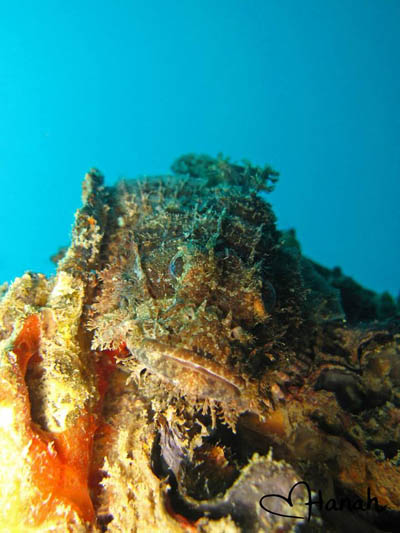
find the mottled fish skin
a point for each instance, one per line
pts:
(189, 285)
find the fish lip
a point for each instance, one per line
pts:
(176, 363)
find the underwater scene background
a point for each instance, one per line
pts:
(311, 88)
(208, 356)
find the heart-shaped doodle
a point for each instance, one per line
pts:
(289, 501)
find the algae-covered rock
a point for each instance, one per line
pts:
(186, 362)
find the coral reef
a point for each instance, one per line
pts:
(187, 366)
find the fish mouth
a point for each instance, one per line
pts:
(192, 374)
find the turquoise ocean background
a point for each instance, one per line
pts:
(311, 87)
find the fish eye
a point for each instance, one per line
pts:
(268, 296)
(175, 267)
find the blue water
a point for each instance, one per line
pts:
(311, 87)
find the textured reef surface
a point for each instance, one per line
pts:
(187, 361)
